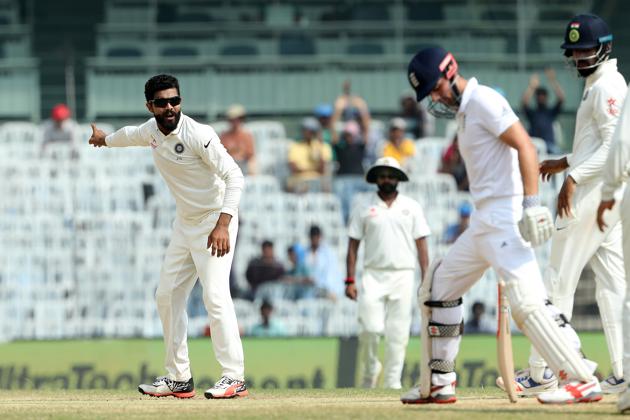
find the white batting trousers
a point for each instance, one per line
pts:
(385, 301)
(491, 240)
(625, 223)
(187, 258)
(576, 242)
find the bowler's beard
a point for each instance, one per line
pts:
(170, 126)
(387, 188)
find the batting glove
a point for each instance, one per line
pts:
(536, 226)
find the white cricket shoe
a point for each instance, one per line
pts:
(526, 386)
(439, 395)
(612, 385)
(623, 403)
(164, 387)
(573, 392)
(227, 388)
(370, 381)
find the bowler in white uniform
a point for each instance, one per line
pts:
(207, 185)
(393, 230)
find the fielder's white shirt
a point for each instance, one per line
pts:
(604, 93)
(491, 164)
(389, 233)
(200, 173)
(617, 165)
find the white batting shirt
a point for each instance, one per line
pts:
(389, 233)
(617, 165)
(491, 164)
(200, 173)
(604, 93)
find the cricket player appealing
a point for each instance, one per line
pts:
(394, 230)
(616, 169)
(577, 239)
(207, 185)
(503, 170)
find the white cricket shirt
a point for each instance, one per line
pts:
(200, 173)
(604, 93)
(492, 165)
(389, 233)
(617, 165)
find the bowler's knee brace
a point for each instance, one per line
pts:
(544, 333)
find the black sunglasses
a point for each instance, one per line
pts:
(161, 102)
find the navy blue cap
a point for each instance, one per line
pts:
(585, 31)
(426, 68)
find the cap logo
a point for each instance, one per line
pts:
(414, 80)
(574, 35)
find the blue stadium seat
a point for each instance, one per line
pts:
(295, 44)
(371, 48)
(239, 49)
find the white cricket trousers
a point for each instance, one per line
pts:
(491, 240)
(187, 258)
(576, 242)
(385, 303)
(624, 206)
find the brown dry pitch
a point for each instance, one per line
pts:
(472, 404)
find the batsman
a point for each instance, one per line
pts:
(508, 220)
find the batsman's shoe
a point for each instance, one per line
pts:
(164, 387)
(526, 386)
(439, 395)
(612, 385)
(227, 388)
(573, 392)
(623, 403)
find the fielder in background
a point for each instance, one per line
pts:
(577, 241)
(394, 230)
(207, 185)
(503, 172)
(616, 169)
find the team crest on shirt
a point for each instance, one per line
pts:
(179, 148)
(372, 212)
(613, 109)
(154, 144)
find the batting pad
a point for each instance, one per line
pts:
(536, 323)
(424, 295)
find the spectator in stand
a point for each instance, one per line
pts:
(238, 141)
(60, 128)
(263, 269)
(268, 327)
(419, 122)
(323, 113)
(351, 107)
(323, 265)
(452, 163)
(479, 323)
(309, 160)
(542, 117)
(398, 146)
(350, 152)
(454, 230)
(298, 277)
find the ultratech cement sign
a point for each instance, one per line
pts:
(269, 363)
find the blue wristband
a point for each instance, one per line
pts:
(531, 201)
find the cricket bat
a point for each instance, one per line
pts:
(504, 344)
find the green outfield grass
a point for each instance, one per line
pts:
(473, 404)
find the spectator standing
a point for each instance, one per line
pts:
(542, 117)
(238, 141)
(351, 107)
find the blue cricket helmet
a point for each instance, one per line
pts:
(426, 68)
(585, 31)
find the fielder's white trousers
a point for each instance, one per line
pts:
(186, 258)
(624, 206)
(491, 240)
(576, 242)
(385, 303)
